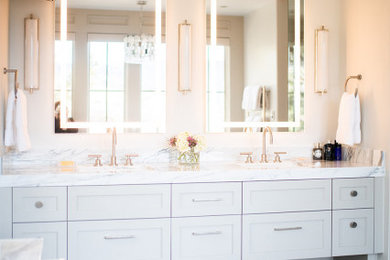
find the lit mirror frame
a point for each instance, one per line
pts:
(297, 71)
(64, 123)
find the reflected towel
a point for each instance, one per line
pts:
(348, 131)
(16, 129)
(251, 98)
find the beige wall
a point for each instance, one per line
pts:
(184, 112)
(4, 8)
(367, 34)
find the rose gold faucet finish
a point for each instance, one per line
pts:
(263, 158)
(114, 143)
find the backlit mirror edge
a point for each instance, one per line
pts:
(297, 85)
(64, 123)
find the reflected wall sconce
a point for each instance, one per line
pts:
(31, 54)
(184, 57)
(321, 74)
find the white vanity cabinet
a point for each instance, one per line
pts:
(54, 236)
(41, 212)
(241, 220)
(5, 213)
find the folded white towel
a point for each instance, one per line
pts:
(251, 98)
(16, 129)
(348, 131)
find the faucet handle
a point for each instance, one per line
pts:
(277, 157)
(249, 158)
(98, 160)
(129, 162)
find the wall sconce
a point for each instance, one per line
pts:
(184, 57)
(321, 73)
(31, 54)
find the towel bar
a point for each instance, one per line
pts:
(15, 71)
(358, 77)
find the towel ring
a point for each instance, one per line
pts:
(358, 77)
(16, 84)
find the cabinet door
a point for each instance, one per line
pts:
(119, 202)
(146, 239)
(282, 196)
(53, 234)
(287, 235)
(5, 213)
(206, 238)
(202, 199)
(39, 204)
(353, 232)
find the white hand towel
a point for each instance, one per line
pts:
(16, 130)
(357, 134)
(348, 131)
(251, 98)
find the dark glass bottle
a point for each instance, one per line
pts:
(329, 151)
(337, 151)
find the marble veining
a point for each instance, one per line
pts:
(165, 173)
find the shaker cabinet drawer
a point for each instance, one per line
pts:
(353, 232)
(146, 239)
(206, 199)
(206, 238)
(39, 204)
(287, 235)
(353, 193)
(282, 196)
(119, 202)
(53, 234)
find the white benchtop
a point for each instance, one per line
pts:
(159, 173)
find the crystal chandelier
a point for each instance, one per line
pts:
(139, 48)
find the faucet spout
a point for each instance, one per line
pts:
(271, 141)
(114, 144)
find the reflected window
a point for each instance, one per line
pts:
(218, 102)
(64, 52)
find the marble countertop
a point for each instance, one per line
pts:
(294, 169)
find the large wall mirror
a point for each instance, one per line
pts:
(110, 66)
(255, 65)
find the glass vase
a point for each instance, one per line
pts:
(189, 158)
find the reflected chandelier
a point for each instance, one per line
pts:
(139, 48)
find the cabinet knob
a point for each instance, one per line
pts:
(354, 193)
(38, 204)
(353, 224)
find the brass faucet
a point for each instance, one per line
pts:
(114, 143)
(271, 141)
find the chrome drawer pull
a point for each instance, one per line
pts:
(354, 193)
(287, 229)
(38, 204)
(118, 237)
(207, 233)
(207, 200)
(353, 224)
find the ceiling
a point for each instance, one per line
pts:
(237, 7)
(128, 5)
(224, 7)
